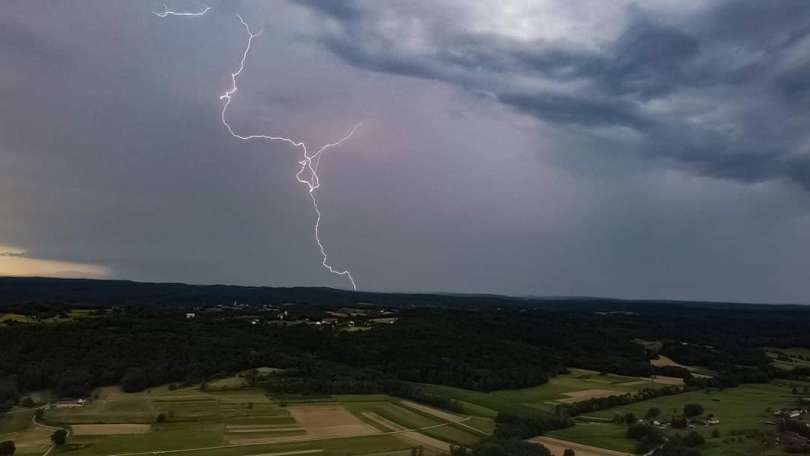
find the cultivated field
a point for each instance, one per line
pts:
(739, 409)
(788, 358)
(663, 361)
(227, 418)
(329, 420)
(580, 384)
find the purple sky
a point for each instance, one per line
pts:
(641, 149)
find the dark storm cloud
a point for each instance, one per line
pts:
(709, 93)
(586, 112)
(549, 147)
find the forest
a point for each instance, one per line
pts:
(479, 348)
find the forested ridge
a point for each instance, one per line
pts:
(474, 349)
(136, 335)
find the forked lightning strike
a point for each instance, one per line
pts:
(308, 173)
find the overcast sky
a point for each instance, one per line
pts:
(639, 149)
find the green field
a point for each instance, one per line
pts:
(17, 419)
(739, 409)
(389, 408)
(543, 397)
(798, 357)
(17, 426)
(229, 419)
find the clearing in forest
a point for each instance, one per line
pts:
(663, 361)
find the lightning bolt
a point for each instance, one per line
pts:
(167, 12)
(308, 172)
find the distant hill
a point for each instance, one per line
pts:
(16, 291)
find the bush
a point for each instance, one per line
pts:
(646, 444)
(639, 431)
(134, 380)
(511, 447)
(675, 447)
(678, 422)
(694, 439)
(7, 448)
(454, 451)
(8, 390)
(692, 410)
(519, 427)
(630, 418)
(59, 437)
(74, 383)
(6, 406)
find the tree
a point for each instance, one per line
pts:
(250, 377)
(8, 391)
(74, 383)
(59, 437)
(569, 452)
(630, 418)
(134, 380)
(7, 448)
(512, 447)
(653, 413)
(691, 410)
(678, 422)
(693, 439)
(638, 431)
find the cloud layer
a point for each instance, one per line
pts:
(721, 89)
(633, 149)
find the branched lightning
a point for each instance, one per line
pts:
(308, 171)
